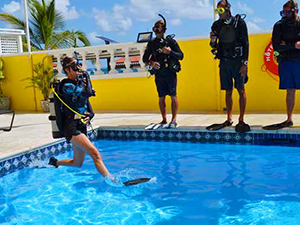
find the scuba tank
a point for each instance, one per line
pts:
(56, 113)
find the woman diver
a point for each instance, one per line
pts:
(74, 91)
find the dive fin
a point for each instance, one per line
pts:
(150, 126)
(218, 126)
(279, 126)
(136, 181)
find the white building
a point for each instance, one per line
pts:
(11, 41)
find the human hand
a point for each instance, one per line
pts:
(166, 50)
(87, 118)
(244, 70)
(155, 65)
(213, 37)
(297, 45)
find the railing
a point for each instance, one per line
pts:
(105, 61)
(11, 41)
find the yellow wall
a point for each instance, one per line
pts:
(198, 84)
(17, 68)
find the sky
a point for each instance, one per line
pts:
(122, 20)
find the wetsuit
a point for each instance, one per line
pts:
(285, 34)
(232, 49)
(165, 77)
(74, 94)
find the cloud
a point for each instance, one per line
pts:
(114, 20)
(145, 10)
(253, 26)
(93, 39)
(120, 18)
(11, 7)
(176, 22)
(69, 12)
(245, 8)
(258, 20)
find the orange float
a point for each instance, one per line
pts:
(270, 64)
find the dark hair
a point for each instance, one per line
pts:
(228, 5)
(291, 3)
(66, 61)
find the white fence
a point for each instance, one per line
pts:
(11, 41)
(106, 61)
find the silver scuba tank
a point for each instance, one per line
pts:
(55, 116)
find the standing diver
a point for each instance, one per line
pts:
(162, 55)
(229, 40)
(286, 44)
(73, 93)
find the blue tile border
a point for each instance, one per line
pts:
(177, 135)
(256, 137)
(22, 160)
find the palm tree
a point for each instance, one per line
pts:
(46, 25)
(79, 35)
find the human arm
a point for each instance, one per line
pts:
(148, 56)
(174, 51)
(278, 44)
(90, 113)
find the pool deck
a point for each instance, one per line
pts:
(31, 130)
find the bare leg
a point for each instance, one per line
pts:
(243, 101)
(290, 103)
(162, 107)
(229, 103)
(86, 145)
(174, 107)
(78, 159)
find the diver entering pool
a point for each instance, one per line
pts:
(73, 113)
(75, 92)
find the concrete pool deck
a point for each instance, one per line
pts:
(31, 130)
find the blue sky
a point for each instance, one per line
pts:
(122, 20)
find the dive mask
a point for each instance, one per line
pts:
(286, 13)
(158, 29)
(73, 66)
(220, 11)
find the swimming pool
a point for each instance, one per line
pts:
(193, 184)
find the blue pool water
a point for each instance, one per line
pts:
(192, 184)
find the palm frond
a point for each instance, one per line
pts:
(12, 20)
(45, 24)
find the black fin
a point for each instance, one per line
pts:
(136, 181)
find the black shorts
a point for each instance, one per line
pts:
(229, 71)
(166, 82)
(74, 128)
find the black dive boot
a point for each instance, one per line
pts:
(53, 162)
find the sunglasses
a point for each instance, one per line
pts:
(220, 11)
(286, 12)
